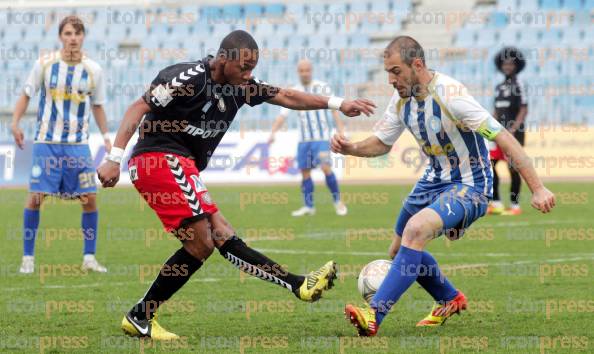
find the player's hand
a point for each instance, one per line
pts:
(109, 173)
(341, 145)
(271, 139)
(356, 107)
(19, 137)
(543, 200)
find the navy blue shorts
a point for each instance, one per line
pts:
(66, 170)
(457, 204)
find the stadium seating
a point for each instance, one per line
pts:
(321, 27)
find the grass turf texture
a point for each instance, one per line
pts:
(528, 292)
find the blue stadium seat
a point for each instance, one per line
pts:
(274, 10)
(528, 36)
(465, 38)
(508, 36)
(551, 36)
(527, 5)
(252, 10)
(497, 20)
(231, 12)
(572, 35)
(486, 37)
(507, 5)
(572, 4)
(551, 4)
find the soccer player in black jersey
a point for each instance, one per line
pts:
(187, 110)
(511, 109)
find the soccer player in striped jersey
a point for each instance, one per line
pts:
(71, 86)
(451, 128)
(314, 141)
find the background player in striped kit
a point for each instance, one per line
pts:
(71, 86)
(314, 141)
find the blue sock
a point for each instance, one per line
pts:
(436, 283)
(332, 184)
(307, 188)
(30, 225)
(403, 272)
(89, 229)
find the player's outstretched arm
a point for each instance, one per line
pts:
(278, 123)
(542, 198)
(369, 147)
(302, 101)
(19, 111)
(109, 171)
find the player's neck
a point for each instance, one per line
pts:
(425, 78)
(71, 57)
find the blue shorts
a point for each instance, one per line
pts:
(66, 170)
(313, 153)
(457, 204)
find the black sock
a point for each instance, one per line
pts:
(254, 263)
(516, 183)
(495, 181)
(172, 276)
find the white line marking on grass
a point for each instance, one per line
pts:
(589, 257)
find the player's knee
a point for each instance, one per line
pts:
(34, 201)
(88, 202)
(199, 250)
(416, 231)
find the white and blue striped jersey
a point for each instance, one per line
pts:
(313, 125)
(450, 127)
(66, 93)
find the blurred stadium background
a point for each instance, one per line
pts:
(344, 39)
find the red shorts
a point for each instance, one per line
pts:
(497, 153)
(172, 187)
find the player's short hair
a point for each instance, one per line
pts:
(408, 48)
(75, 21)
(237, 44)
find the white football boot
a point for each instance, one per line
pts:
(341, 209)
(303, 211)
(90, 263)
(27, 265)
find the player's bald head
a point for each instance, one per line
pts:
(304, 64)
(238, 45)
(305, 71)
(408, 48)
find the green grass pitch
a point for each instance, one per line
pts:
(529, 279)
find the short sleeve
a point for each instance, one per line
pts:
(98, 97)
(464, 108)
(390, 127)
(522, 94)
(175, 85)
(257, 92)
(34, 80)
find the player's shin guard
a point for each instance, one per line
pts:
(258, 265)
(434, 281)
(30, 225)
(89, 223)
(402, 274)
(167, 283)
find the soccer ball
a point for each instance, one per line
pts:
(371, 277)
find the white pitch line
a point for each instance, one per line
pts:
(589, 257)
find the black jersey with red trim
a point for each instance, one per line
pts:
(510, 96)
(190, 113)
